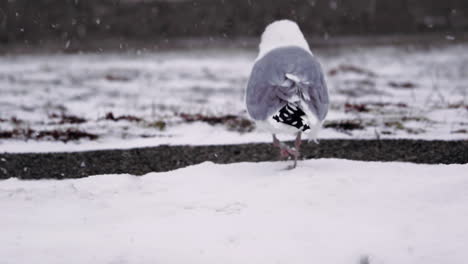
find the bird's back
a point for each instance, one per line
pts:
(268, 89)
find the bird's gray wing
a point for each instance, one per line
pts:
(264, 95)
(316, 88)
(268, 88)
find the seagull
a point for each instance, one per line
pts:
(286, 92)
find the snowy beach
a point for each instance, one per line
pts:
(327, 211)
(146, 117)
(102, 101)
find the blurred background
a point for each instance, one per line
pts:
(165, 71)
(84, 24)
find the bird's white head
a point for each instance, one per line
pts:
(281, 33)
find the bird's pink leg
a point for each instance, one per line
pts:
(282, 147)
(297, 145)
(298, 142)
(286, 151)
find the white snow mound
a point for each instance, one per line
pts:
(325, 211)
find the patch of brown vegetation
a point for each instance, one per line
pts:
(131, 118)
(368, 106)
(6, 134)
(117, 78)
(401, 105)
(356, 108)
(212, 120)
(16, 121)
(344, 68)
(67, 119)
(58, 135)
(17, 133)
(234, 123)
(365, 82)
(459, 131)
(402, 85)
(161, 125)
(416, 118)
(344, 125)
(459, 105)
(415, 131)
(66, 135)
(394, 124)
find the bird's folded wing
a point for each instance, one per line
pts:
(317, 91)
(263, 101)
(269, 86)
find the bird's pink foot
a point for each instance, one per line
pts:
(283, 154)
(286, 151)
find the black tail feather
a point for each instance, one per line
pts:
(291, 115)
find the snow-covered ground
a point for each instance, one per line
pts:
(325, 211)
(93, 101)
